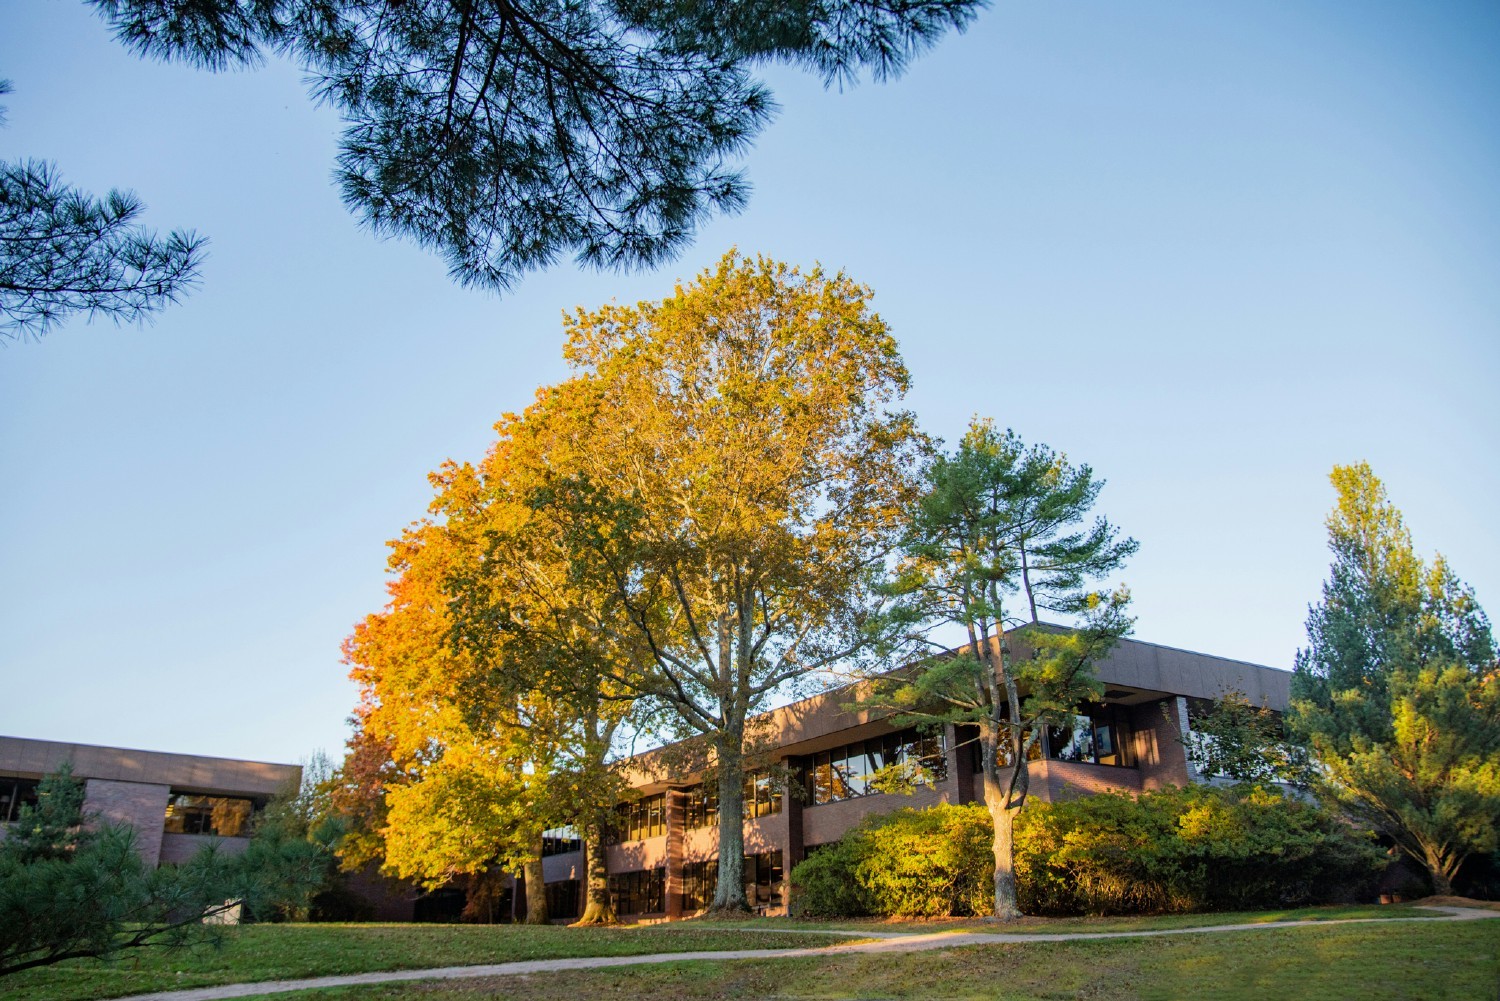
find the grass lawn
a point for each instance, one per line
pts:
(275, 952)
(1055, 925)
(1371, 962)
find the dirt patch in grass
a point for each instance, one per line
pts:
(1488, 905)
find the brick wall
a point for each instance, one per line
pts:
(1159, 727)
(141, 806)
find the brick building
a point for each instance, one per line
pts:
(175, 802)
(665, 862)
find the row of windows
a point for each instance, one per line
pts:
(14, 794)
(1099, 736)
(701, 802)
(852, 770)
(764, 881)
(225, 816)
(641, 892)
(565, 899)
(560, 841)
(640, 819)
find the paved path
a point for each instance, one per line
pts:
(881, 942)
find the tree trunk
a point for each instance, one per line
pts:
(729, 893)
(597, 910)
(1003, 816)
(1441, 866)
(536, 891)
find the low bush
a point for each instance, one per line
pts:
(1191, 849)
(911, 864)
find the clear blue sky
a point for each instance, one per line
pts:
(1211, 249)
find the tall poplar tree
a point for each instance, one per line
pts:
(991, 514)
(1398, 690)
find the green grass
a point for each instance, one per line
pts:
(1112, 924)
(275, 952)
(1372, 962)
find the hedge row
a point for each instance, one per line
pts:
(1191, 849)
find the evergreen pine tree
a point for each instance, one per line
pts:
(1398, 691)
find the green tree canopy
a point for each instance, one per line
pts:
(504, 134)
(991, 512)
(63, 252)
(1397, 691)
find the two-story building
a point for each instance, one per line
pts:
(815, 783)
(175, 802)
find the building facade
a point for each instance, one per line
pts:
(175, 802)
(814, 785)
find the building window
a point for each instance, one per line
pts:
(698, 882)
(762, 798)
(700, 807)
(1099, 736)
(225, 816)
(560, 841)
(1004, 752)
(564, 899)
(640, 819)
(14, 794)
(701, 803)
(764, 881)
(849, 771)
(639, 892)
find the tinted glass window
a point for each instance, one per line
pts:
(224, 816)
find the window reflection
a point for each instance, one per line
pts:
(764, 882)
(639, 892)
(1100, 736)
(560, 841)
(762, 798)
(224, 816)
(850, 771)
(640, 819)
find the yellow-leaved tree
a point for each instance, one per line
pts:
(727, 476)
(492, 742)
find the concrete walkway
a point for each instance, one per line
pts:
(882, 942)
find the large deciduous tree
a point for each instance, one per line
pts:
(992, 512)
(1398, 690)
(503, 722)
(505, 133)
(735, 483)
(537, 630)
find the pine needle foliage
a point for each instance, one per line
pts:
(503, 134)
(1398, 691)
(73, 888)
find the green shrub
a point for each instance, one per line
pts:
(1190, 849)
(823, 884)
(911, 864)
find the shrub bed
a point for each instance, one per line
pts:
(1197, 848)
